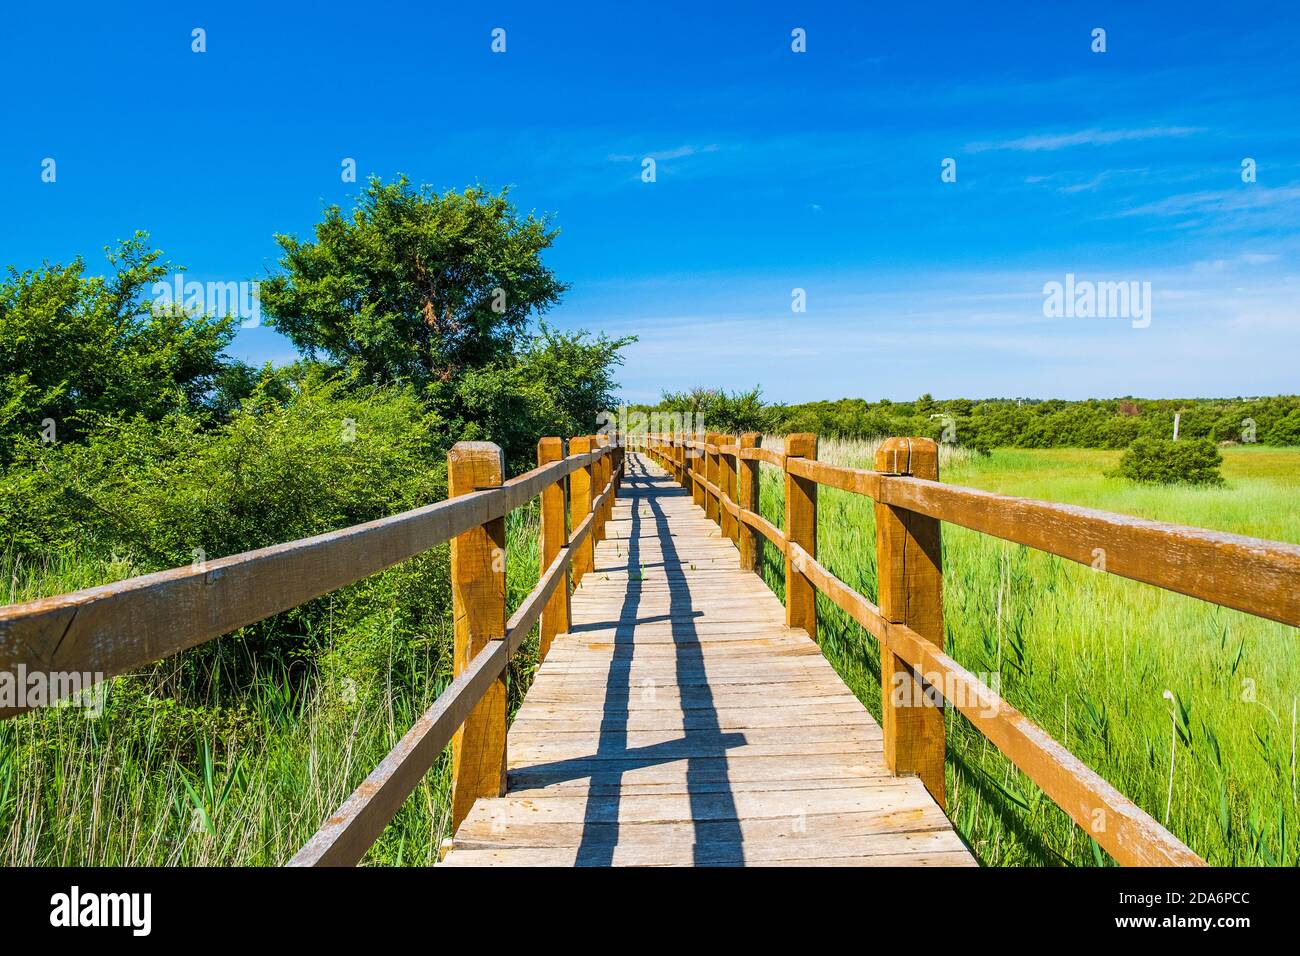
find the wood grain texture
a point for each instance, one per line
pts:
(682, 723)
(747, 485)
(727, 449)
(554, 536)
(712, 509)
(800, 529)
(1249, 574)
(582, 489)
(910, 589)
(478, 593)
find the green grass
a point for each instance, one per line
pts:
(1089, 656)
(162, 778)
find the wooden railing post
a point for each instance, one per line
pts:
(554, 536)
(800, 529)
(478, 592)
(711, 476)
(697, 472)
(581, 482)
(620, 455)
(747, 497)
(910, 584)
(600, 478)
(730, 522)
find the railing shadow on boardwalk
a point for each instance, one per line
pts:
(718, 839)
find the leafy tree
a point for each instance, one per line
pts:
(73, 346)
(557, 385)
(415, 286)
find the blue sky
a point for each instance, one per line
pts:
(776, 170)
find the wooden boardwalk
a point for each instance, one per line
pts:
(682, 723)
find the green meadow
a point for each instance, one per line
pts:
(1089, 657)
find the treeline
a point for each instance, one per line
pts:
(1002, 422)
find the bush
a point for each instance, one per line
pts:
(1192, 461)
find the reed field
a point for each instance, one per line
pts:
(1089, 657)
(157, 781)
(163, 780)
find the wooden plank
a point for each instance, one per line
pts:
(768, 455)
(114, 628)
(857, 480)
(478, 593)
(909, 579)
(766, 528)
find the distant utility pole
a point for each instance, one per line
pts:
(1177, 416)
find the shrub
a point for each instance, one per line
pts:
(1192, 461)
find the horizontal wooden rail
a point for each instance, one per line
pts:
(857, 480)
(767, 455)
(764, 527)
(117, 627)
(1253, 575)
(1248, 574)
(1118, 825)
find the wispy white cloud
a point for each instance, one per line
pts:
(659, 155)
(1085, 137)
(1249, 196)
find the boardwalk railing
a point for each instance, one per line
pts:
(111, 629)
(722, 471)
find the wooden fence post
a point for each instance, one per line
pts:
(910, 583)
(478, 592)
(800, 529)
(697, 472)
(730, 522)
(611, 452)
(554, 536)
(581, 482)
(711, 476)
(600, 478)
(747, 497)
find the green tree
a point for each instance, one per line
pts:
(74, 346)
(415, 286)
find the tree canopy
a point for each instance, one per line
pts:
(73, 347)
(414, 286)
